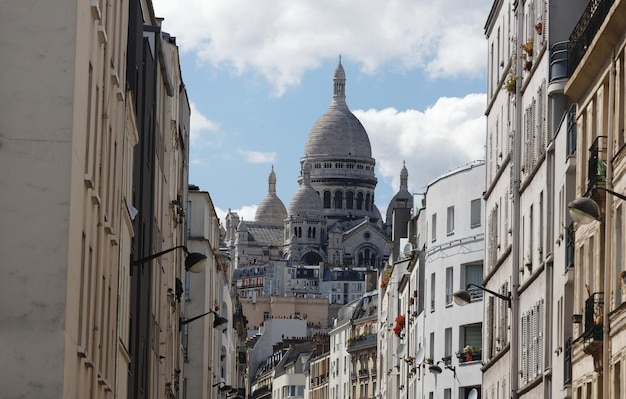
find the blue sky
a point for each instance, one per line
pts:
(259, 74)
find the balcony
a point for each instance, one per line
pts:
(363, 373)
(596, 166)
(593, 333)
(373, 372)
(353, 375)
(465, 357)
(585, 31)
(362, 341)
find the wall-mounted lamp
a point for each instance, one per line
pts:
(436, 369)
(220, 323)
(195, 261)
(463, 297)
(584, 210)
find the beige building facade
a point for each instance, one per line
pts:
(66, 159)
(596, 87)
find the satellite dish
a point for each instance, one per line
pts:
(400, 348)
(473, 394)
(419, 356)
(408, 247)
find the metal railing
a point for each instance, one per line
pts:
(596, 166)
(593, 313)
(585, 30)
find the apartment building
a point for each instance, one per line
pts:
(97, 159)
(596, 89)
(528, 184)
(66, 159)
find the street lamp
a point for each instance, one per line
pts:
(195, 262)
(463, 297)
(219, 323)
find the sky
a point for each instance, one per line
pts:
(259, 74)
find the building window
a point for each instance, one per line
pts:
(266, 315)
(475, 214)
(449, 285)
(473, 275)
(432, 292)
(433, 227)
(350, 200)
(532, 342)
(471, 335)
(326, 199)
(450, 221)
(447, 350)
(359, 201)
(338, 199)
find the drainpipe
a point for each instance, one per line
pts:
(516, 236)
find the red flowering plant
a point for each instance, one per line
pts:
(385, 280)
(400, 320)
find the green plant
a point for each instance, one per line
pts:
(511, 82)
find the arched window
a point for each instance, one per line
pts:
(308, 234)
(299, 232)
(367, 202)
(338, 199)
(326, 199)
(313, 232)
(359, 201)
(350, 200)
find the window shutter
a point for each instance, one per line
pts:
(524, 348)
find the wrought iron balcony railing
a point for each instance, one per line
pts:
(585, 30)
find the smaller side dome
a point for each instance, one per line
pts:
(306, 202)
(242, 227)
(271, 210)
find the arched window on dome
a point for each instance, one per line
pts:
(367, 202)
(349, 200)
(295, 232)
(299, 232)
(338, 199)
(314, 232)
(326, 199)
(359, 201)
(308, 234)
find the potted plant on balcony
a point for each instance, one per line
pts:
(511, 82)
(539, 28)
(528, 47)
(400, 322)
(469, 352)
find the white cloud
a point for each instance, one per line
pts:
(443, 137)
(258, 157)
(282, 39)
(203, 130)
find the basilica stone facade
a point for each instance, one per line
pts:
(332, 218)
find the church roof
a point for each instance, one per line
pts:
(338, 133)
(265, 234)
(271, 209)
